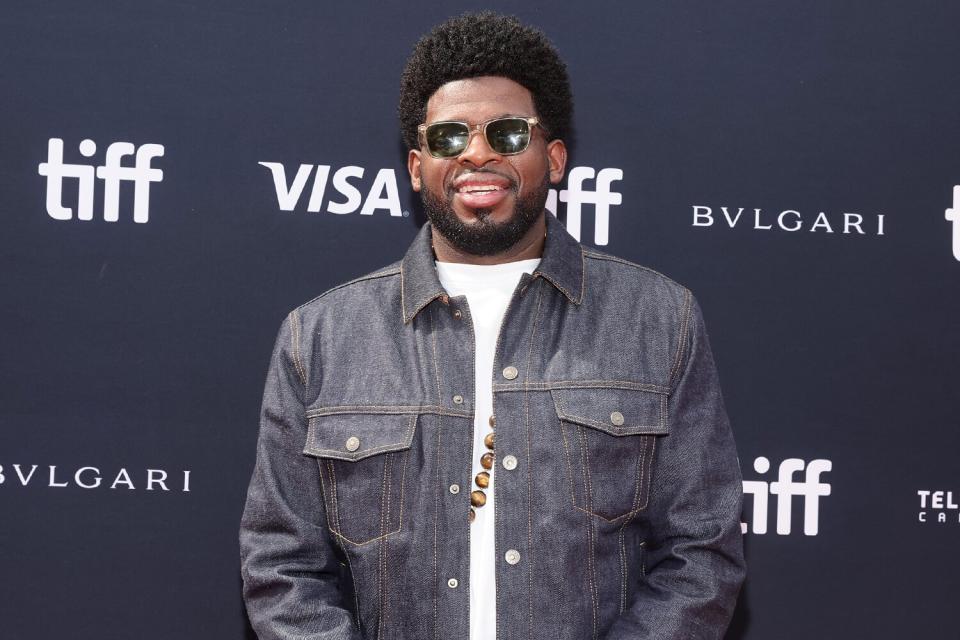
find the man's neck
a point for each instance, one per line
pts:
(528, 247)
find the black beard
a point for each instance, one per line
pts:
(484, 238)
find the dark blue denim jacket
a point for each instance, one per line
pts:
(618, 484)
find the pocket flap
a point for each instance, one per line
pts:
(619, 412)
(355, 436)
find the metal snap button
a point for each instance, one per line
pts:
(458, 399)
(454, 488)
(452, 583)
(510, 373)
(512, 556)
(616, 418)
(509, 463)
(457, 314)
(353, 443)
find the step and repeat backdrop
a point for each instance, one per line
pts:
(175, 177)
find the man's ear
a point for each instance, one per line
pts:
(413, 167)
(557, 158)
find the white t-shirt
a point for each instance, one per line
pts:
(488, 289)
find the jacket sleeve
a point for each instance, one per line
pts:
(693, 556)
(291, 582)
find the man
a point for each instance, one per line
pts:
(382, 506)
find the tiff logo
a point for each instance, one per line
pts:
(784, 487)
(112, 172)
(953, 215)
(576, 195)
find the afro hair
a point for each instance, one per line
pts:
(485, 44)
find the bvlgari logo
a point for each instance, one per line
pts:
(788, 220)
(90, 477)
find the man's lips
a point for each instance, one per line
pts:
(481, 190)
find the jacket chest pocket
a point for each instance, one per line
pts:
(363, 459)
(609, 439)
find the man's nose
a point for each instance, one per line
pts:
(478, 151)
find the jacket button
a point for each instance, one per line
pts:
(512, 556)
(616, 418)
(457, 314)
(510, 373)
(452, 583)
(458, 399)
(509, 462)
(353, 443)
(454, 488)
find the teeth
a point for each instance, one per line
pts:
(478, 188)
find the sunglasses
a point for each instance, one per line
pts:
(506, 136)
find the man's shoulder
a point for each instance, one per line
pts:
(618, 272)
(354, 290)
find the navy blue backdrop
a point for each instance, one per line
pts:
(174, 177)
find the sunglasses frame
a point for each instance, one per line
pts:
(477, 128)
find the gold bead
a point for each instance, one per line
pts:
(478, 498)
(483, 479)
(493, 420)
(486, 460)
(488, 440)
(473, 514)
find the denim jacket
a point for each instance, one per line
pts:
(618, 485)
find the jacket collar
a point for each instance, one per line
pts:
(561, 265)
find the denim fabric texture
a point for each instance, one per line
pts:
(618, 486)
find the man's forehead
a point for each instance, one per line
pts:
(478, 99)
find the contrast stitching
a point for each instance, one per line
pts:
(396, 409)
(403, 297)
(588, 498)
(295, 338)
(561, 409)
(603, 256)
(623, 553)
(388, 270)
(613, 429)
(649, 463)
(334, 530)
(533, 334)
(313, 450)
(356, 598)
(365, 542)
(436, 501)
(337, 529)
(550, 385)
(384, 544)
(333, 494)
(382, 547)
(682, 338)
(566, 448)
(583, 276)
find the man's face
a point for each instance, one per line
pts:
(482, 202)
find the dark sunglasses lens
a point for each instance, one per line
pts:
(447, 139)
(508, 135)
